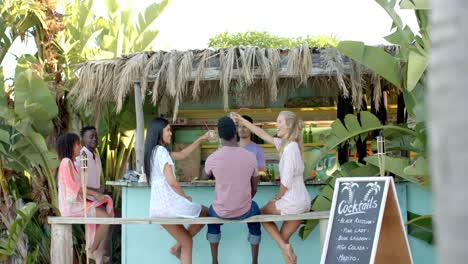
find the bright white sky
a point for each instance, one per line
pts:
(188, 24)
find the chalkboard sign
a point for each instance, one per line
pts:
(362, 208)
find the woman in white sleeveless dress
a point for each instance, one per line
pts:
(167, 197)
(292, 196)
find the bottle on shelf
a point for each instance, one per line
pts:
(310, 136)
(273, 175)
(305, 135)
(276, 172)
(270, 172)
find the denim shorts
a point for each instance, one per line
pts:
(255, 232)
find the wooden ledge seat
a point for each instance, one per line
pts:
(62, 244)
(177, 221)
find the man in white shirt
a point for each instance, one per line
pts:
(89, 138)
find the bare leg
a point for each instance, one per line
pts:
(214, 239)
(254, 230)
(193, 230)
(254, 253)
(272, 229)
(287, 230)
(214, 252)
(182, 236)
(103, 247)
(99, 257)
(97, 250)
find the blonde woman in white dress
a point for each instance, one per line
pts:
(292, 196)
(167, 197)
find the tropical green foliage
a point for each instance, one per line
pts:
(17, 229)
(89, 37)
(28, 113)
(267, 40)
(23, 131)
(17, 18)
(116, 152)
(397, 137)
(26, 126)
(420, 226)
(108, 37)
(402, 166)
(405, 70)
(122, 36)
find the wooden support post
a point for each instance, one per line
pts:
(323, 232)
(61, 249)
(140, 129)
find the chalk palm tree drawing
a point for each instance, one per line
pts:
(349, 186)
(374, 187)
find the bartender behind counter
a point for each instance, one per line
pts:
(245, 141)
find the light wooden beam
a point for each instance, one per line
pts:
(61, 249)
(178, 221)
(140, 129)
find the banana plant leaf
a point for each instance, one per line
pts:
(307, 228)
(365, 171)
(404, 38)
(374, 58)
(415, 103)
(417, 64)
(389, 7)
(420, 167)
(33, 99)
(16, 230)
(415, 4)
(39, 240)
(397, 166)
(420, 227)
(352, 130)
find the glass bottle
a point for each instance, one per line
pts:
(305, 138)
(310, 137)
(276, 172)
(270, 172)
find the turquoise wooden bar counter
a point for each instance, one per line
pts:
(150, 243)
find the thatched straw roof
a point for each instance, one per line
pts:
(186, 76)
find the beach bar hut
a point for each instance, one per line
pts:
(187, 87)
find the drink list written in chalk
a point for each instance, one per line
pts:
(354, 223)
